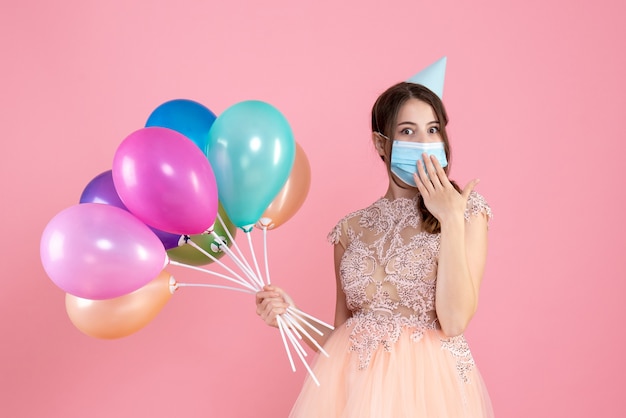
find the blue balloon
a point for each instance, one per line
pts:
(187, 117)
(251, 150)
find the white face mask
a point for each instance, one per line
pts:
(404, 156)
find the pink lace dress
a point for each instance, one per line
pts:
(390, 359)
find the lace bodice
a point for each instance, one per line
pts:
(388, 271)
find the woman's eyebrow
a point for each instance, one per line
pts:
(415, 124)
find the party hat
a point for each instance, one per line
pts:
(432, 77)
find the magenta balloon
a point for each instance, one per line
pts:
(165, 180)
(96, 251)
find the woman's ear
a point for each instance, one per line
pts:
(379, 143)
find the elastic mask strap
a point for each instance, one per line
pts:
(379, 133)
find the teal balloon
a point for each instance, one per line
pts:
(187, 117)
(251, 149)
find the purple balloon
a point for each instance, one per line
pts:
(97, 251)
(165, 180)
(102, 190)
(168, 240)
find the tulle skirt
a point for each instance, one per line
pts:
(433, 377)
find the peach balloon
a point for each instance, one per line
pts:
(291, 196)
(123, 315)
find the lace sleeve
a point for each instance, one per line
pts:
(337, 234)
(476, 205)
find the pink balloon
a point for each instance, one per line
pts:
(165, 180)
(96, 251)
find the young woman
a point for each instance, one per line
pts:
(408, 269)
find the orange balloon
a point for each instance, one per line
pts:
(123, 315)
(292, 195)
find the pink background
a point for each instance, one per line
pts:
(536, 95)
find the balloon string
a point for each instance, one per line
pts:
(242, 283)
(298, 311)
(295, 323)
(288, 324)
(297, 348)
(233, 242)
(256, 264)
(241, 262)
(267, 266)
(214, 286)
(304, 321)
(214, 259)
(292, 334)
(244, 267)
(282, 334)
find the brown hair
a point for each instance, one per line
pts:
(384, 117)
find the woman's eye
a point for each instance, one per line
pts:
(407, 131)
(433, 130)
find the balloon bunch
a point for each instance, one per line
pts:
(179, 190)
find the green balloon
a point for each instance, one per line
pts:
(188, 254)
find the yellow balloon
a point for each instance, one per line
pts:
(123, 315)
